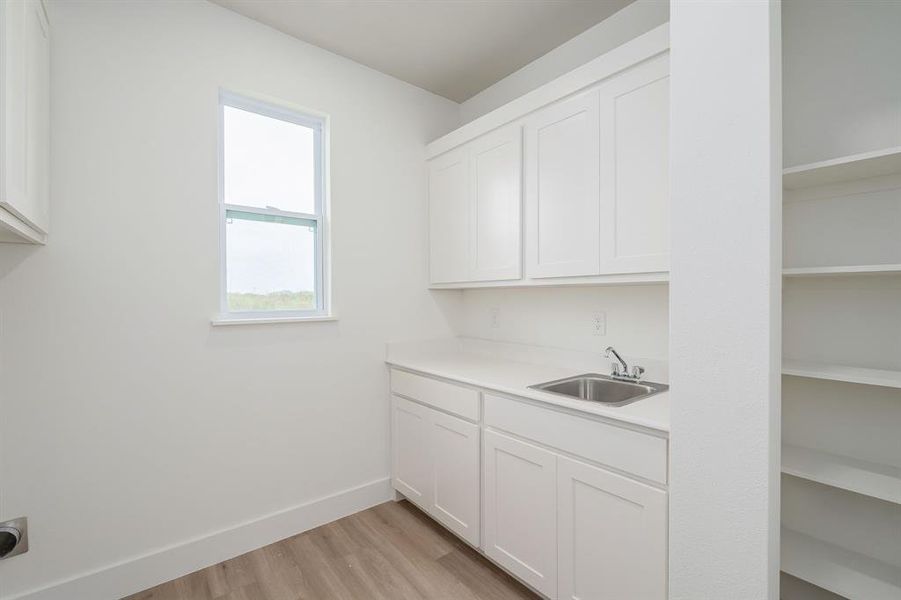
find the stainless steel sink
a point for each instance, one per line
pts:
(601, 388)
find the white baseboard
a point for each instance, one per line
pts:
(139, 573)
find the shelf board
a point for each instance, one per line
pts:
(845, 270)
(845, 168)
(838, 570)
(594, 280)
(862, 477)
(881, 377)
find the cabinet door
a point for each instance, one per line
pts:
(521, 511)
(496, 193)
(455, 468)
(449, 217)
(411, 472)
(24, 189)
(562, 165)
(612, 535)
(635, 170)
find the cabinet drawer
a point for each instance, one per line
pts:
(630, 451)
(448, 397)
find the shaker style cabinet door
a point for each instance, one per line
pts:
(411, 471)
(521, 510)
(635, 198)
(455, 466)
(562, 166)
(612, 535)
(496, 205)
(449, 217)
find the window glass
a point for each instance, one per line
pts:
(268, 162)
(270, 262)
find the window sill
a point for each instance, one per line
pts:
(227, 321)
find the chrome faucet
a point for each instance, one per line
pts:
(623, 374)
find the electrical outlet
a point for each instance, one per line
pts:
(599, 323)
(494, 317)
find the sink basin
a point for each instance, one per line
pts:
(601, 388)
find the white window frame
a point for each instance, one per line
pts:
(319, 124)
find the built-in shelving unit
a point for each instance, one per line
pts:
(838, 570)
(844, 373)
(845, 168)
(837, 212)
(859, 476)
(841, 270)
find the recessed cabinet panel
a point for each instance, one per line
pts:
(612, 535)
(496, 172)
(411, 462)
(521, 509)
(455, 465)
(37, 73)
(562, 165)
(449, 217)
(635, 170)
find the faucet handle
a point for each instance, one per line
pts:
(637, 372)
(614, 370)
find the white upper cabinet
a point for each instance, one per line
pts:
(634, 198)
(25, 114)
(562, 164)
(496, 206)
(449, 217)
(475, 204)
(591, 153)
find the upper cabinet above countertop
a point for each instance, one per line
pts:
(566, 185)
(475, 206)
(24, 121)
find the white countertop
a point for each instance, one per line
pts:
(514, 377)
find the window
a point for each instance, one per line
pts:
(273, 217)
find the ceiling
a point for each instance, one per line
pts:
(454, 48)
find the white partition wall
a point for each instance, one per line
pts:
(725, 299)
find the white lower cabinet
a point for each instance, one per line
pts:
(435, 460)
(411, 468)
(455, 474)
(521, 510)
(548, 515)
(611, 535)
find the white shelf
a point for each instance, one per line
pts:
(862, 477)
(847, 270)
(813, 370)
(594, 280)
(845, 168)
(839, 570)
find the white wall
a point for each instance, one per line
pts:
(842, 87)
(635, 19)
(129, 424)
(636, 318)
(725, 300)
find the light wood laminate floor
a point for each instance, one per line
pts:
(391, 551)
